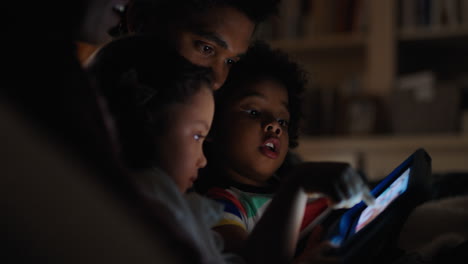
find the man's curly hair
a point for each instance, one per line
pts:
(143, 16)
(263, 63)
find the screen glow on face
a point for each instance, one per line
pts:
(383, 200)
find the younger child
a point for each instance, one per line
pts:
(163, 107)
(256, 122)
(152, 93)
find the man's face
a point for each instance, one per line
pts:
(180, 152)
(216, 39)
(253, 132)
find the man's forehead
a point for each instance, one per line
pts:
(223, 21)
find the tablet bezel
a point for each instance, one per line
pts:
(350, 243)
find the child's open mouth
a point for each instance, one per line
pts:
(270, 148)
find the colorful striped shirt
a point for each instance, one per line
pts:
(244, 208)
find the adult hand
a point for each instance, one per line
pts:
(336, 180)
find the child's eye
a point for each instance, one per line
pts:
(283, 123)
(198, 137)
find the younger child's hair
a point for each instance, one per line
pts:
(140, 77)
(263, 63)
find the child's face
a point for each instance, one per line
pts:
(254, 131)
(180, 145)
(219, 38)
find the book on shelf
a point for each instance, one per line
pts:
(450, 15)
(360, 16)
(287, 24)
(407, 14)
(464, 13)
(421, 84)
(317, 17)
(345, 11)
(436, 10)
(422, 103)
(320, 111)
(432, 14)
(309, 18)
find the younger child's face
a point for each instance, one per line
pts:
(180, 152)
(254, 131)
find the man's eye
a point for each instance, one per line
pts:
(230, 61)
(207, 49)
(204, 48)
(253, 112)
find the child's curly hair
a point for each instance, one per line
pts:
(263, 63)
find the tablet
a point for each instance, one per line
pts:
(364, 232)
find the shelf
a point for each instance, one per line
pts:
(378, 155)
(334, 41)
(433, 33)
(389, 142)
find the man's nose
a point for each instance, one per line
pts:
(220, 73)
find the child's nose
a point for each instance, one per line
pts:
(202, 161)
(274, 127)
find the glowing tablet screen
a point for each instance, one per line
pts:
(398, 187)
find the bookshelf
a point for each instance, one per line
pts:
(373, 44)
(321, 43)
(433, 34)
(363, 49)
(377, 155)
(393, 38)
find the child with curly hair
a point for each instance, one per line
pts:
(256, 122)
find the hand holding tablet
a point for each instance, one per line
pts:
(365, 232)
(335, 180)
